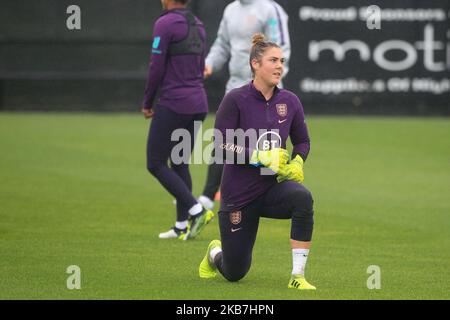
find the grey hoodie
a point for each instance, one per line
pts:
(240, 21)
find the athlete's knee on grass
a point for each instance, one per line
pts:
(237, 271)
(235, 276)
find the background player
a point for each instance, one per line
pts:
(176, 70)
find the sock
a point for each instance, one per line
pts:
(207, 202)
(218, 261)
(299, 257)
(214, 252)
(196, 209)
(181, 225)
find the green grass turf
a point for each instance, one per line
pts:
(75, 191)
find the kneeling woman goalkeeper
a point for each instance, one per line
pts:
(248, 192)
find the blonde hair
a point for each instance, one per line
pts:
(259, 46)
(258, 37)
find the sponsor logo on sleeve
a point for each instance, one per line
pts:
(155, 45)
(156, 42)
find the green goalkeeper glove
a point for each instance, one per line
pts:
(292, 171)
(274, 159)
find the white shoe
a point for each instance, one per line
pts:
(173, 233)
(206, 202)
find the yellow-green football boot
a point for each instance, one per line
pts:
(299, 282)
(198, 223)
(208, 269)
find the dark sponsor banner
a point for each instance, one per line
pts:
(340, 63)
(393, 57)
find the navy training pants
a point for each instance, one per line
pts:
(238, 229)
(176, 179)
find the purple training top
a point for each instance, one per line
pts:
(179, 78)
(247, 108)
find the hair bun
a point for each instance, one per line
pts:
(258, 37)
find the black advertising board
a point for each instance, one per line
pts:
(391, 58)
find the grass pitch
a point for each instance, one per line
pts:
(75, 191)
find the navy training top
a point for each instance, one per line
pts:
(247, 108)
(179, 78)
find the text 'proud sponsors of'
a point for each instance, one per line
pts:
(352, 14)
(410, 54)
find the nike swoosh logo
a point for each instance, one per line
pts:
(234, 230)
(281, 121)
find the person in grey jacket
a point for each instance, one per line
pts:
(241, 20)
